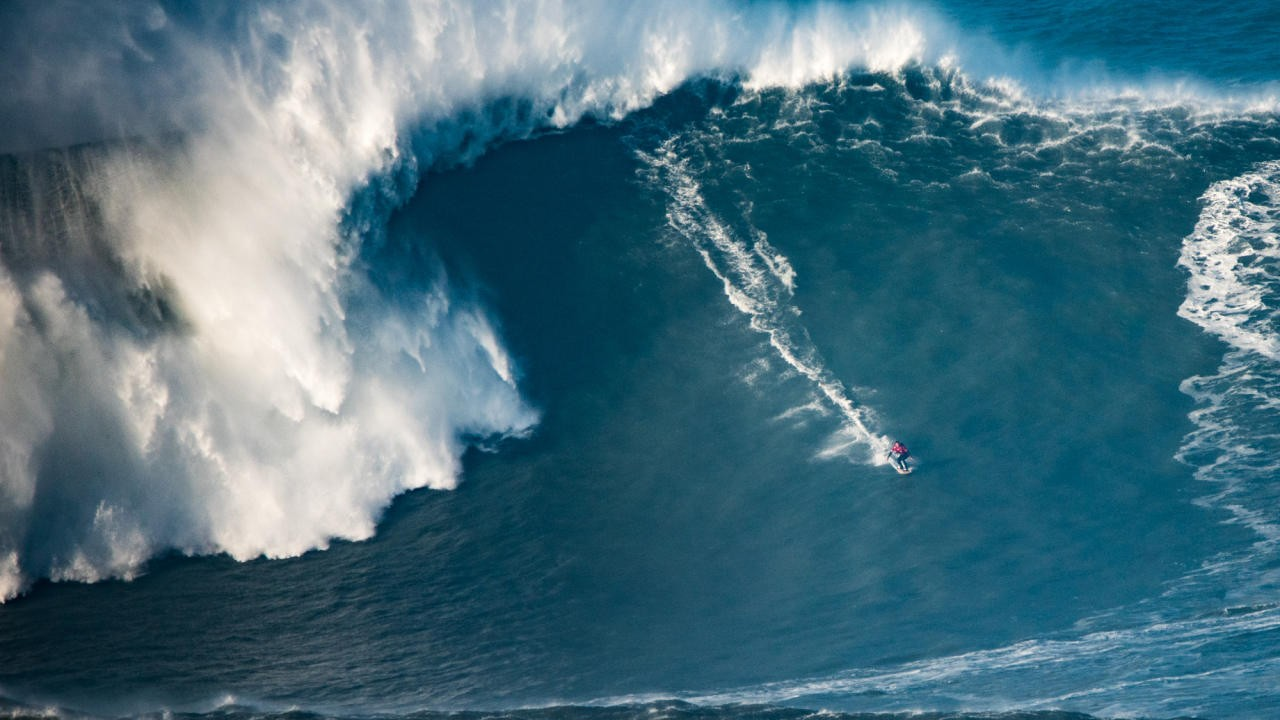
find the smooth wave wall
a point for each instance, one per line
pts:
(193, 354)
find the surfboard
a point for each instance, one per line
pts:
(901, 471)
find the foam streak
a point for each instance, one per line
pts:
(759, 282)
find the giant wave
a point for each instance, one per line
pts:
(194, 355)
(198, 350)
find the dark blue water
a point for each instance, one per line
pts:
(448, 360)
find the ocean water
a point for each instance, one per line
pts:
(538, 360)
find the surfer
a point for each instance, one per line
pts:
(899, 454)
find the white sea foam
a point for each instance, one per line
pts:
(1233, 258)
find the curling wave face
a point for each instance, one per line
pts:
(193, 355)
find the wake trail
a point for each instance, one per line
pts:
(759, 282)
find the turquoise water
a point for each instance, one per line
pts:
(542, 363)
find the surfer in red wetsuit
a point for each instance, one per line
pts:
(899, 454)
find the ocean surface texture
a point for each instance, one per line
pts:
(537, 360)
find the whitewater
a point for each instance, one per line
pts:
(661, 283)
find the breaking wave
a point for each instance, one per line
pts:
(1233, 259)
(195, 351)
